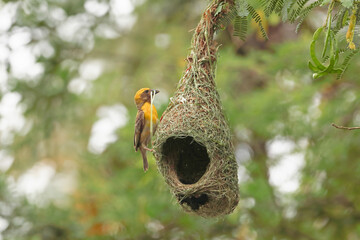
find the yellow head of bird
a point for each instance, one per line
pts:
(144, 95)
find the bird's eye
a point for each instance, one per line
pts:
(146, 91)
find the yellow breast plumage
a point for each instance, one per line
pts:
(146, 108)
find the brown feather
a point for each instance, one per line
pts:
(139, 126)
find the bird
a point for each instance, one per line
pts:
(142, 134)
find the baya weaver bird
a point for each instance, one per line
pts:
(142, 134)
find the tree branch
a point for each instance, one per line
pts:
(345, 128)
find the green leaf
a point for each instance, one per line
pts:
(258, 20)
(347, 3)
(219, 8)
(270, 7)
(312, 67)
(318, 75)
(305, 12)
(240, 27)
(326, 2)
(285, 10)
(341, 18)
(313, 50)
(327, 38)
(345, 18)
(228, 18)
(346, 62)
(241, 8)
(296, 12)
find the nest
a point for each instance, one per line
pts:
(193, 144)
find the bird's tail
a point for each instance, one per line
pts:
(145, 161)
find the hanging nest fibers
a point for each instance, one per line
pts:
(193, 144)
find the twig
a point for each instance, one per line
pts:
(345, 128)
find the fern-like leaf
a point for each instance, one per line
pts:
(280, 6)
(305, 12)
(339, 18)
(258, 20)
(228, 18)
(271, 6)
(258, 3)
(295, 13)
(346, 63)
(240, 27)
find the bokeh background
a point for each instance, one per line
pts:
(68, 73)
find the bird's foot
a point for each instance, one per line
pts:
(149, 149)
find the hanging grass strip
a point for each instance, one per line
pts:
(193, 144)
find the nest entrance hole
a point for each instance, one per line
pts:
(187, 158)
(194, 202)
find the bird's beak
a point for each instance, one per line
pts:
(154, 91)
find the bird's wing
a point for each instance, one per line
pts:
(139, 126)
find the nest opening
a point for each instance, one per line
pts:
(187, 158)
(194, 202)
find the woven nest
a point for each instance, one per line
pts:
(193, 144)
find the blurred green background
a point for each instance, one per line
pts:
(68, 170)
